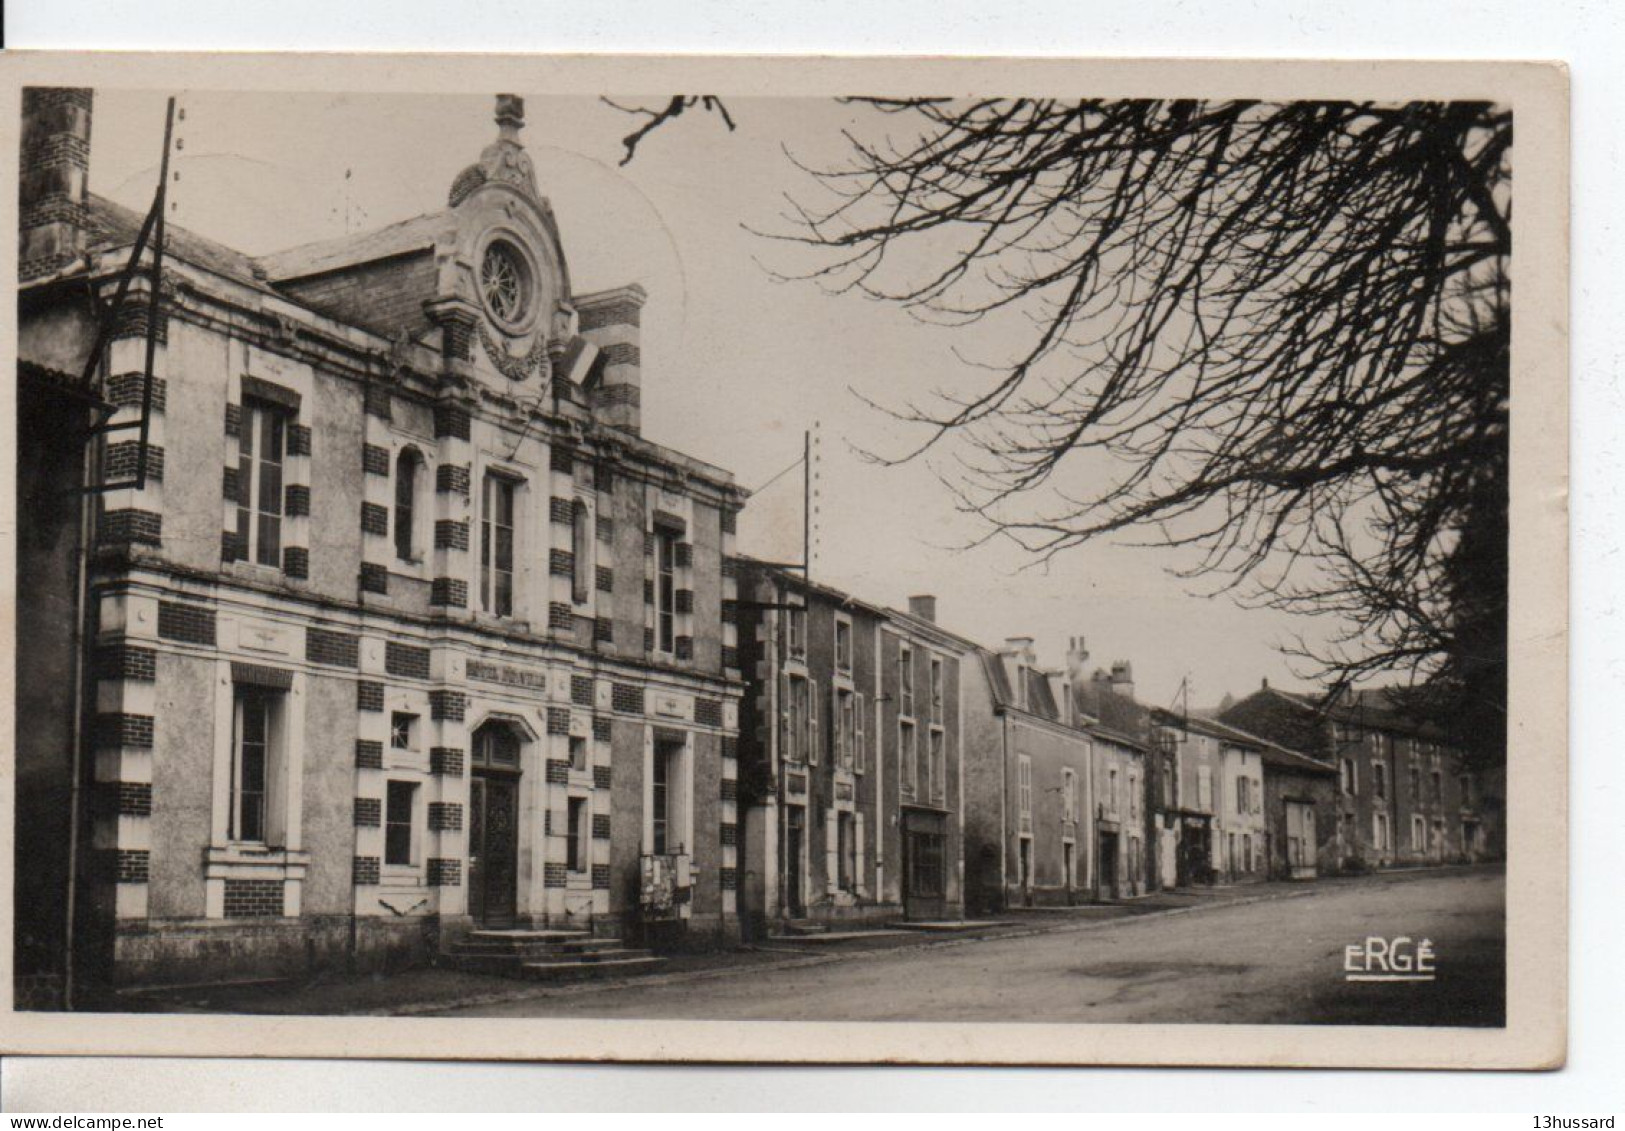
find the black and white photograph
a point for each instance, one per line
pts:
(797, 573)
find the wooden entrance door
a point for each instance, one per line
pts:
(493, 849)
(794, 838)
(925, 866)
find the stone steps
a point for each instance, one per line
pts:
(546, 955)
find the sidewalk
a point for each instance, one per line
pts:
(428, 989)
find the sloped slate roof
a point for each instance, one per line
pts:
(416, 234)
(114, 225)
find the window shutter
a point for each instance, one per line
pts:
(859, 736)
(832, 841)
(785, 737)
(859, 881)
(813, 705)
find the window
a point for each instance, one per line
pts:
(860, 739)
(1379, 780)
(578, 752)
(400, 802)
(663, 799)
(843, 645)
(1069, 795)
(505, 283)
(1419, 833)
(939, 767)
(1133, 796)
(1466, 783)
(795, 718)
(1204, 788)
(1111, 790)
(1024, 789)
(814, 706)
(496, 745)
(1379, 831)
(1246, 852)
(261, 446)
(1416, 782)
(581, 540)
(905, 756)
(408, 465)
(665, 590)
(257, 714)
(846, 725)
(795, 629)
(496, 546)
(1169, 781)
(1350, 779)
(575, 849)
(936, 690)
(403, 728)
(1438, 787)
(905, 679)
(1243, 801)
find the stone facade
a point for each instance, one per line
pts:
(850, 754)
(298, 668)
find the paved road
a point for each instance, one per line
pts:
(1278, 961)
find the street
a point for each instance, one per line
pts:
(1279, 960)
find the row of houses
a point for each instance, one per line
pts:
(359, 613)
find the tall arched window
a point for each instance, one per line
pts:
(581, 547)
(408, 466)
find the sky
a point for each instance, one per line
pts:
(740, 357)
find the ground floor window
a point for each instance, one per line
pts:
(400, 806)
(256, 764)
(575, 851)
(846, 851)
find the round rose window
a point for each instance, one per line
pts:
(505, 283)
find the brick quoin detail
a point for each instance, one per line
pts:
(374, 578)
(447, 705)
(369, 812)
(369, 696)
(603, 477)
(234, 420)
(685, 647)
(730, 834)
(562, 459)
(648, 591)
(121, 461)
(685, 555)
(730, 658)
(296, 501)
(603, 730)
(132, 865)
(366, 871)
(558, 771)
(406, 660)
(374, 519)
(233, 546)
(134, 798)
(298, 439)
(337, 648)
(369, 754)
(708, 712)
(114, 729)
(621, 353)
(730, 746)
(450, 534)
(581, 690)
(374, 459)
(730, 522)
(648, 640)
(253, 899)
(730, 567)
(605, 528)
(228, 485)
(555, 875)
(124, 390)
(604, 578)
(648, 544)
(451, 422)
(561, 511)
(730, 878)
(296, 561)
(600, 877)
(561, 563)
(122, 527)
(559, 616)
(602, 777)
(451, 479)
(448, 592)
(600, 826)
(623, 313)
(190, 624)
(133, 319)
(379, 403)
(126, 661)
(558, 720)
(445, 817)
(603, 631)
(730, 789)
(730, 612)
(445, 872)
(446, 761)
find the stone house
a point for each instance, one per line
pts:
(850, 755)
(409, 628)
(1403, 796)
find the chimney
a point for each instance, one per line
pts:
(54, 179)
(1123, 678)
(1266, 683)
(1077, 655)
(610, 320)
(924, 606)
